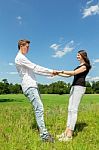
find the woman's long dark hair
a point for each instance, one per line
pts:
(83, 53)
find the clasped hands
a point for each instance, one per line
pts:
(60, 73)
(57, 72)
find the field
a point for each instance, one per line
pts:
(18, 129)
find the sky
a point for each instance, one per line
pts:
(57, 29)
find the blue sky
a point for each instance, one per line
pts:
(57, 29)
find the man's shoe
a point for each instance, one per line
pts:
(48, 138)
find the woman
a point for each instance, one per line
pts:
(77, 90)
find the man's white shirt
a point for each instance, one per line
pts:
(27, 70)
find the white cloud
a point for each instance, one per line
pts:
(89, 2)
(11, 64)
(95, 79)
(12, 73)
(1, 72)
(54, 46)
(19, 19)
(92, 10)
(61, 51)
(90, 79)
(20, 2)
(96, 61)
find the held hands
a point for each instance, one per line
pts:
(56, 72)
(60, 73)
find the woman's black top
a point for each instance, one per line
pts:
(79, 79)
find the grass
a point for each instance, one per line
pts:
(18, 129)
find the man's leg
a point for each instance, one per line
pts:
(34, 97)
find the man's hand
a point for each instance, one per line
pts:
(56, 72)
(59, 73)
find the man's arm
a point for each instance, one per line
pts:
(36, 68)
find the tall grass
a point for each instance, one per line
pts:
(18, 129)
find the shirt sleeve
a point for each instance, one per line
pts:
(36, 68)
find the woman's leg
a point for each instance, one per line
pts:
(74, 101)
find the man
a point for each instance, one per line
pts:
(27, 70)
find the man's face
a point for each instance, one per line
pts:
(24, 48)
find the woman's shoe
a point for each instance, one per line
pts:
(65, 138)
(61, 135)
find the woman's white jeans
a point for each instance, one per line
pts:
(76, 94)
(34, 97)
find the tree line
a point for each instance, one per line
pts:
(9, 88)
(59, 87)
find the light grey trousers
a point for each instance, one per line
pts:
(76, 94)
(34, 97)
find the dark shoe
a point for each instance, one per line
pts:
(48, 138)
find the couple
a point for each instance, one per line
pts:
(27, 70)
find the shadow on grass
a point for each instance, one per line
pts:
(9, 100)
(79, 127)
(35, 127)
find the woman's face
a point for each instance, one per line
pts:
(79, 57)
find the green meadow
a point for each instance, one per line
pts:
(18, 129)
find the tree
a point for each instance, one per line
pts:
(6, 88)
(97, 87)
(88, 88)
(5, 81)
(1, 87)
(59, 87)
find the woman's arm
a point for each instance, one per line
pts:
(77, 71)
(64, 75)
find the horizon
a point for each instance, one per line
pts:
(56, 29)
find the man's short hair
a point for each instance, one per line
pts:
(23, 43)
